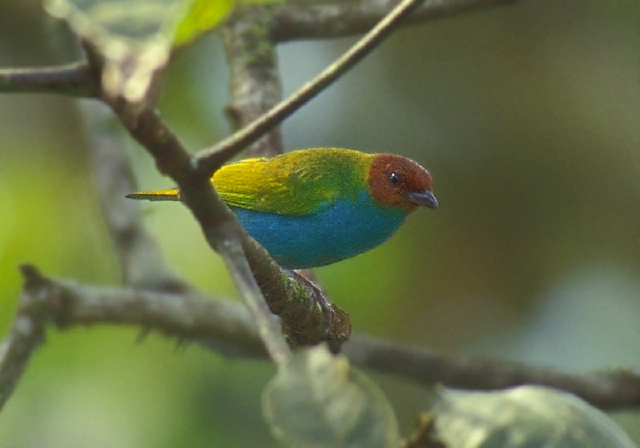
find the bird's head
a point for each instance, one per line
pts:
(400, 182)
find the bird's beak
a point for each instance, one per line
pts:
(424, 198)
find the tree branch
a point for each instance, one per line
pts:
(140, 258)
(255, 81)
(24, 337)
(75, 79)
(607, 390)
(321, 20)
(221, 325)
(227, 328)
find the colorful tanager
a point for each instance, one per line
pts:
(314, 207)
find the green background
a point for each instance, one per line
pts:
(527, 117)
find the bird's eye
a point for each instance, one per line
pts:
(395, 179)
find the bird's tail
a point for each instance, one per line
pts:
(160, 195)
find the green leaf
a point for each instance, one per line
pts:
(524, 417)
(135, 38)
(316, 400)
(201, 17)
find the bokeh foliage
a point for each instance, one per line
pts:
(527, 118)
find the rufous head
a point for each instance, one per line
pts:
(397, 181)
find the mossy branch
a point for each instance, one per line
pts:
(226, 327)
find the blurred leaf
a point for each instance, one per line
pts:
(202, 16)
(523, 417)
(136, 37)
(316, 400)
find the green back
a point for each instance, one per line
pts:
(297, 183)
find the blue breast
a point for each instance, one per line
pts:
(340, 230)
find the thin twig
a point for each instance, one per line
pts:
(74, 79)
(211, 159)
(607, 390)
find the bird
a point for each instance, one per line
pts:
(314, 207)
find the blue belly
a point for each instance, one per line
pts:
(338, 231)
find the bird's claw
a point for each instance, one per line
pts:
(318, 298)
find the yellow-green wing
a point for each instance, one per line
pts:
(296, 183)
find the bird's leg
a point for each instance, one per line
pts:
(317, 296)
(308, 279)
(331, 325)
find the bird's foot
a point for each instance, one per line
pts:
(332, 325)
(318, 298)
